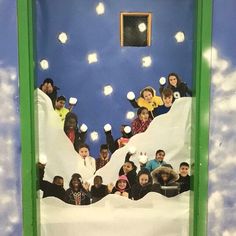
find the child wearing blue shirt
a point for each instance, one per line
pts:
(157, 162)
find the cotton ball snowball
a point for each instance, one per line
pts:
(132, 150)
(131, 95)
(83, 127)
(107, 127)
(162, 81)
(127, 129)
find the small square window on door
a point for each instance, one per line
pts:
(135, 29)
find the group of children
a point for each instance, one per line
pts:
(155, 175)
(149, 105)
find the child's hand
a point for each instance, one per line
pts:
(41, 166)
(124, 194)
(86, 186)
(110, 187)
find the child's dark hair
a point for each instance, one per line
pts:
(75, 176)
(61, 98)
(168, 166)
(148, 89)
(127, 157)
(57, 177)
(167, 92)
(160, 150)
(145, 171)
(139, 111)
(184, 164)
(176, 76)
(49, 81)
(83, 145)
(98, 177)
(103, 146)
(133, 165)
(71, 115)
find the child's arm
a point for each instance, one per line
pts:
(83, 133)
(113, 146)
(128, 155)
(86, 186)
(43, 184)
(189, 91)
(134, 103)
(149, 166)
(110, 187)
(154, 173)
(186, 89)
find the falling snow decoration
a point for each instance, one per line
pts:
(44, 64)
(62, 37)
(94, 136)
(180, 37)
(92, 58)
(107, 90)
(146, 61)
(100, 8)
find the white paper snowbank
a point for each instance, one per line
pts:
(114, 215)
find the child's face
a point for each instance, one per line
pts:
(122, 184)
(75, 183)
(49, 88)
(60, 104)
(127, 167)
(143, 179)
(183, 170)
(44, 87)
(97, 182)
(173, 80)
(168, 101)
(59, 182)
(144, 115)
(71, 123)
(104, 153)
(160, 156)
(165, 177)
(147, 95)
(84, 152)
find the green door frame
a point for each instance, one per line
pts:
(26, 51)
(26, 58)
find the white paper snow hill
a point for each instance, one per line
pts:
(115, 215)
